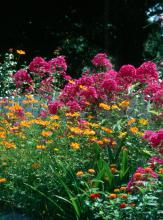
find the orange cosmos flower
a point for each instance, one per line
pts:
(75, 145)
(79, 173)
(3, 180)
(134, 130)
(20, 52)
(112, 196)
(91, 171)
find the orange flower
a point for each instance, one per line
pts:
(131, 121)
(112, 196)
(3, 180)
(122, 188)
(2, 134)
(108, 130)
(75, 145)
(91, 171)
(79, 173)
(137, 176)
(113, 170)
(124, 196)
(46, 133)
(134, 130)
(20, 52)
(148, 170)
(124, 104)
(104, 106)
(105, 140)
(160, 171)
(40, 147)
(99, 142)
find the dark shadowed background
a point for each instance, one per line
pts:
(77, 29)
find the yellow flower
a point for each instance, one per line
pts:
(131, 121)
(75, 145)
(93, 139)
(20, 52)
(3, 180)
(56, 149)
(108, 130)
(122, 134)
(143, 121)
(88, 132)
(53, 126)
(83, 87)
(54, 117)
(124, 104)
(49, 141)
(75, 114)
(15, 107)
(79, 173)
(40, 147)
(76, 130)
(116, 190)
(9, 145)
(94, 125)
(11, 115)
(28, 114)
(25, 123)
(71, 81)
(104, 106)
(91, 171)
(141, 134)
(46, 133)
(134, 130)
(115, 107)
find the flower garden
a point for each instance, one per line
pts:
(82, 149)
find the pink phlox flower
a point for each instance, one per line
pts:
(101, 59)
(54, 106)
(73, 106)
(21, 76)
(39, 66)
(58, 64)
(147, 72)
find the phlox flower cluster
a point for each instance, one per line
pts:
(110, 85)
(101, 60)
(41, 76)
(155, 139)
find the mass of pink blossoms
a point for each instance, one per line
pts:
(41, 76)
(93, 87)
(155, 139)
(107, 86)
